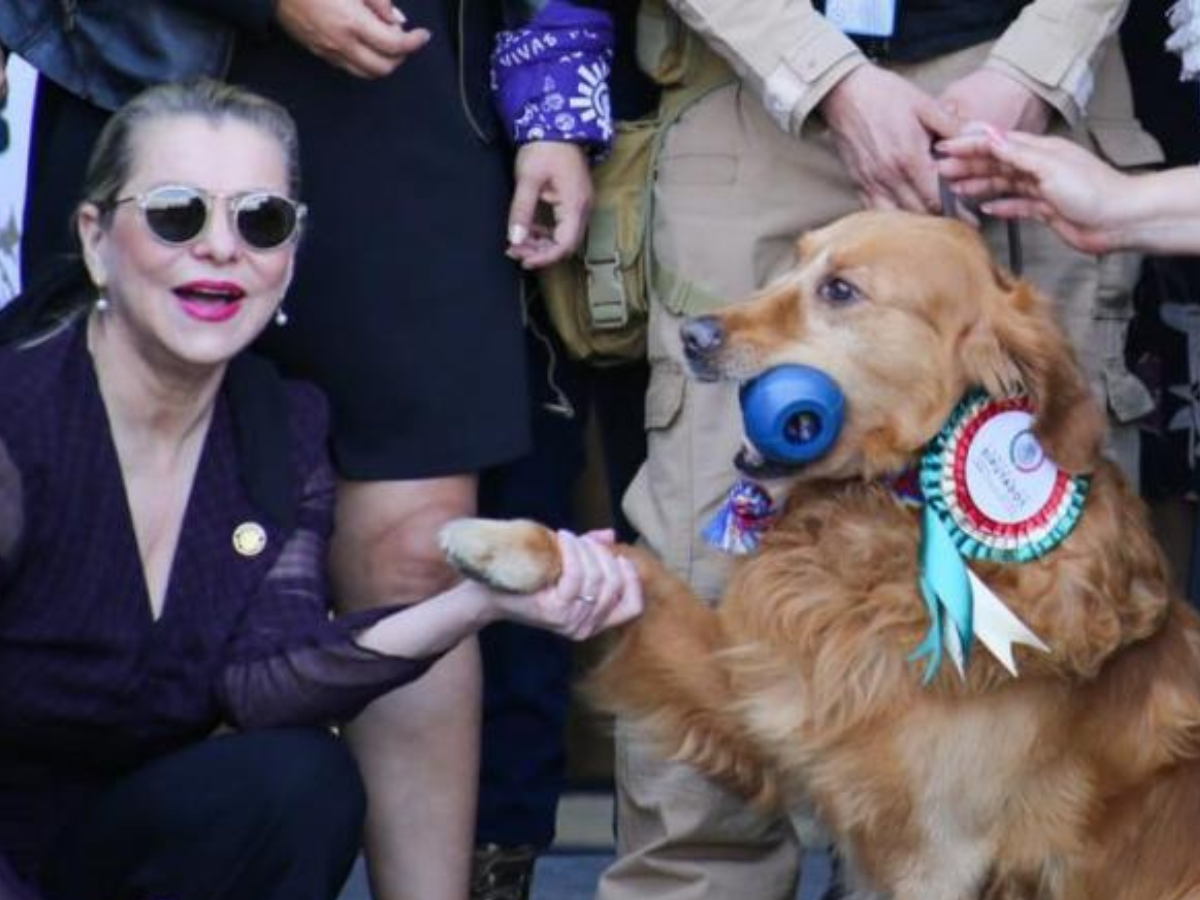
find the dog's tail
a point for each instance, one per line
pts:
(664, 675)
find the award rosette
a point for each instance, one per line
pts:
(991, 493)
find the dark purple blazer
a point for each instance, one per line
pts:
(91, 685)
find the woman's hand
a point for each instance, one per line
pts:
(597, 590)
(1045, 178)
(555, 175)
(366, 38)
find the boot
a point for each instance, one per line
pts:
(502, 873)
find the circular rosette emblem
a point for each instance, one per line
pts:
(992, 485)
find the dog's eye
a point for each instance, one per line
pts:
(838, 290)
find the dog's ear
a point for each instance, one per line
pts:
(1017, 345)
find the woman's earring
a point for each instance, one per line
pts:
(281, 317)
(101, 304)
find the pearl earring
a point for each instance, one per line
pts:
(281, 317)
(101, 304)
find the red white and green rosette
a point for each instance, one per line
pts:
(997, 493)
(990, 493)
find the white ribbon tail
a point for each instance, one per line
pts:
(997, 627)
(954, 647)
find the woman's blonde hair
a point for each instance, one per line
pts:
(112, 157)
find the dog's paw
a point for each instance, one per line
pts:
(518, 556)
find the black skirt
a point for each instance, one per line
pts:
(404, 309)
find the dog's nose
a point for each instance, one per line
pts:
(701, 335)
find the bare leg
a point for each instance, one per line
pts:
(418, 747)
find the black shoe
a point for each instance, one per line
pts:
(502, 873)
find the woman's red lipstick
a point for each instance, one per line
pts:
(210, 301)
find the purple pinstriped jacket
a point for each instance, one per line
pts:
(91, 685)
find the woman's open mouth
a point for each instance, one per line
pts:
(210, 301)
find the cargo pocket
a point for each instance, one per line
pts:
(657, 500)
(1128, 398)
(664, 397)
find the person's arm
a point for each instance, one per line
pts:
(1045, 62)
(288, 661)
(1053, 49)
(550, 77)
(12, 523)
(785, 51)
(1091, 205)
(291, 664)
(799, 63)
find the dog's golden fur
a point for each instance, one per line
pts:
(1079, 779)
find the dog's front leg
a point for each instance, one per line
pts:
(664, 669)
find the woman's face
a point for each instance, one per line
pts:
(201, 302)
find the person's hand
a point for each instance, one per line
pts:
(884, 128)
(597, 590)
(988, 95)
(366, 38)
(1045, 178)
(554, 175)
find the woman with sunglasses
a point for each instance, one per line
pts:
(406, 309)
(165, 502)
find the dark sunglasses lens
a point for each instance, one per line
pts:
(265, 221)
(175, 215)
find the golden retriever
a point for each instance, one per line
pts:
(1076, 780)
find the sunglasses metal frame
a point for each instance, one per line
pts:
(233, 206)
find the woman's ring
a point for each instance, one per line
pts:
(587, 598)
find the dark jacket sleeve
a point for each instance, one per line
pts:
(289, 663)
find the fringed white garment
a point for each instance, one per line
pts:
(1184, 18)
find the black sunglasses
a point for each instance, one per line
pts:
(177, 214)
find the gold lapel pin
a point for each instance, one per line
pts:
(249, 539)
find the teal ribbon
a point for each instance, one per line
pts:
(945, 587)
